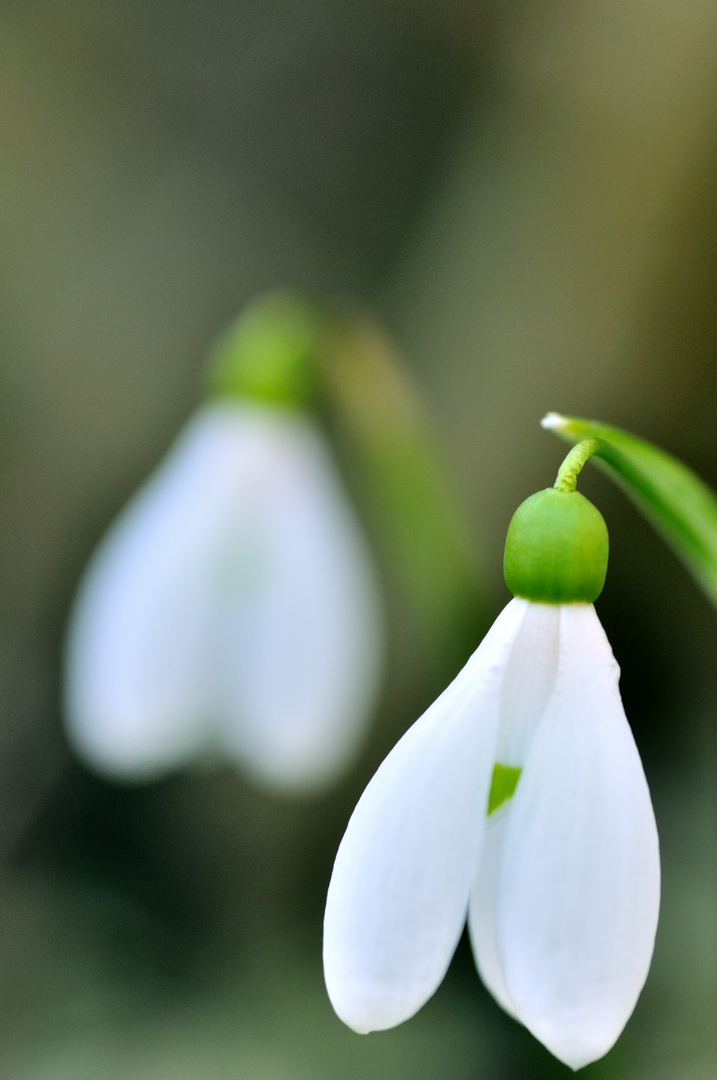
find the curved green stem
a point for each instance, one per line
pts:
(568, 471)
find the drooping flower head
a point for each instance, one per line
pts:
(518, 799)
(232, 609)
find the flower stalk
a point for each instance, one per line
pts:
(566, 479)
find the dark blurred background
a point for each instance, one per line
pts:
(525, 194)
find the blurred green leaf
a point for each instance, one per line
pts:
(680, 506)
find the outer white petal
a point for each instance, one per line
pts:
(399, 890)
(139, 675)
(301, 635)
(578, 894)
(528, 684)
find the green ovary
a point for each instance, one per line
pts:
(556, 549)
(503, 784)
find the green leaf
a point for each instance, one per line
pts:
(680, 506)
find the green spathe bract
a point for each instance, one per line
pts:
(556, 549)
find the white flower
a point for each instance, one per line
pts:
(561, 881)
(232, 608)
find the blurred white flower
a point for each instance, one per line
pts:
(518, 797)
(231, 610)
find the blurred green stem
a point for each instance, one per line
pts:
(387, 435)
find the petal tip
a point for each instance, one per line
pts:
(576, 1053)
(362, 1008)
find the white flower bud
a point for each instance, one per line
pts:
(232, 608)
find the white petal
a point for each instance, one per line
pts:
(578, 893)
(139, 676)
(301, 642)
(529, 681)
(528, 684)
(481, 911)
(399, 890)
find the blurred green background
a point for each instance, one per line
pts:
(525, 195)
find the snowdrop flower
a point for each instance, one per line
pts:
(517, 798)
(231, 610)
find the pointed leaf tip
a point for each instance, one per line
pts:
(553, 420)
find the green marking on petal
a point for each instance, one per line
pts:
(503, 784)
